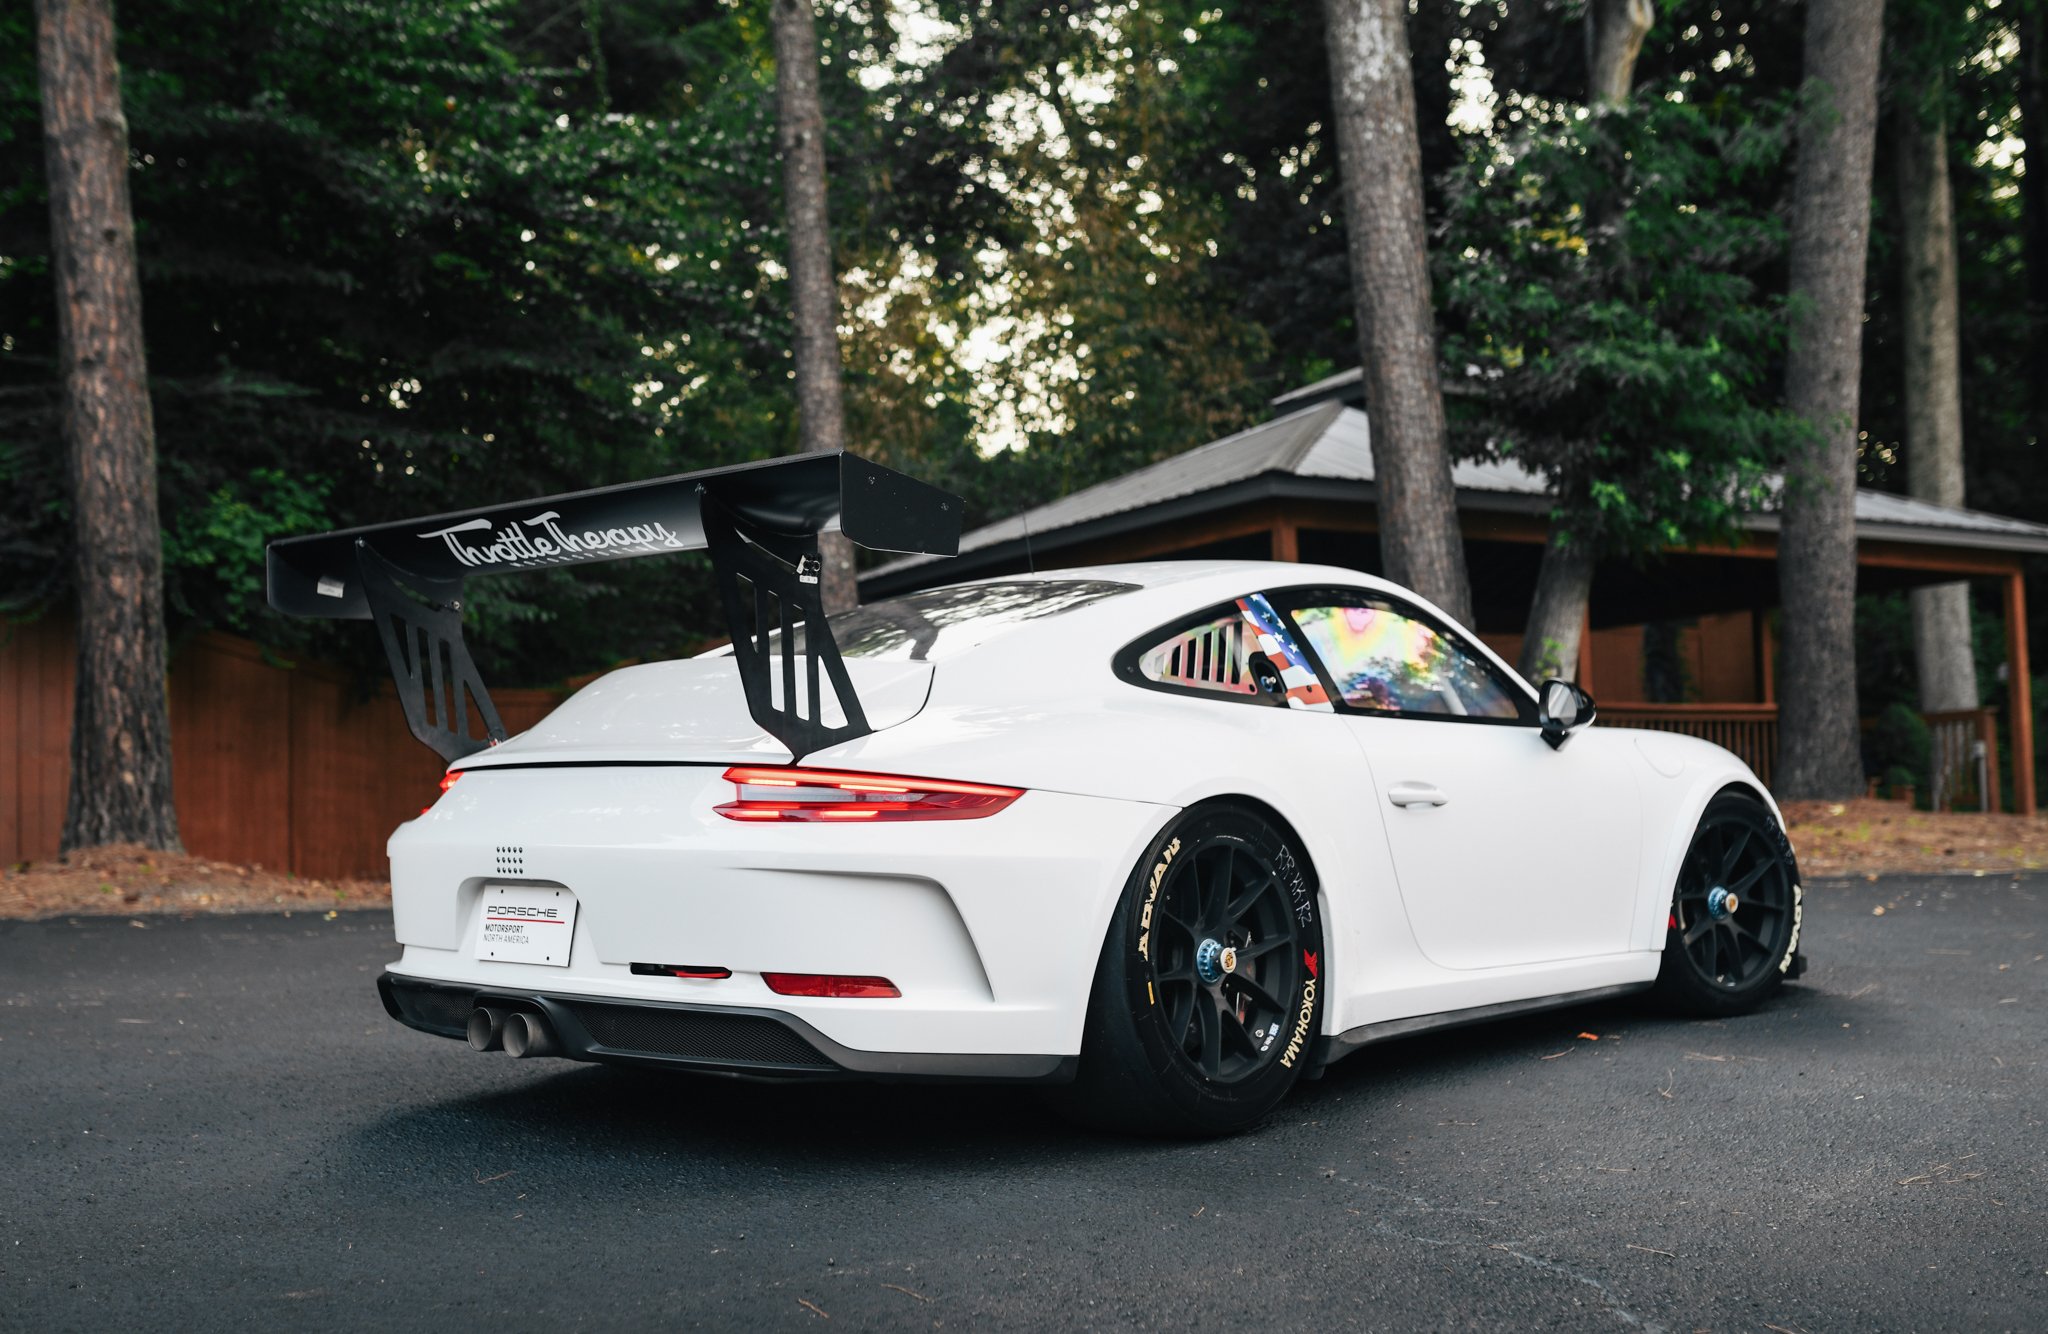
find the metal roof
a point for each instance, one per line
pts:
(1347, 386)
(1325, 451)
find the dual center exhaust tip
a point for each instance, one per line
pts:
(520, 1033)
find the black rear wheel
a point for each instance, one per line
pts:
(1206, 1002)
(1735, 913)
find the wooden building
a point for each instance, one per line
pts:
(1300, 488)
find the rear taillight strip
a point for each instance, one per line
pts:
(787, 794)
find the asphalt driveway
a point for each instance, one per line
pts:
(211, 1123)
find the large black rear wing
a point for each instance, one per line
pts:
(759, 521)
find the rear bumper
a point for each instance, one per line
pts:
(731, 1040)
(990, 928)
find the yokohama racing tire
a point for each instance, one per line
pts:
(1207, 1001)
(1736, 912)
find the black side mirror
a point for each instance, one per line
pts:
(1562, 709)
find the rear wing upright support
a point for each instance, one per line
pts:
(759, 522)
(773, 593)
(420, 622)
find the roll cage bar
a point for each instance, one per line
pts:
(759, 522)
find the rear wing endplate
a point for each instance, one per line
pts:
(759, 522)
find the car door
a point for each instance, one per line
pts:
(1507, 851)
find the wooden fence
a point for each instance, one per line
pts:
(1750, 730)
(291, 766)
(278, 765)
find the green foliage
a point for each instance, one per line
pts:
(1960, 66)
(2040, 691)
(1886, 672)
(429, 256)
(225, 534)
(1667, 669)
(411, 256)
(394, 252)
(1607, 326)
(1901, 748)
(1119, 344)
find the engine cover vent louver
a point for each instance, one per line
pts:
(509, 860)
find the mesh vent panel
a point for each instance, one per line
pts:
(439, 1009)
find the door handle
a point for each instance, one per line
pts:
(1417, 794)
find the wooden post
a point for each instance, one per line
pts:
(1286, 541)
(2020, 691)
(1766, 657)
(1987, 734)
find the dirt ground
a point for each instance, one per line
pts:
(1850, 838)
(135, 881)
(1869, 837)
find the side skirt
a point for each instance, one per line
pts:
(1333, 1049)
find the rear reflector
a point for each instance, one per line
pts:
(826, 795)
(828, 984)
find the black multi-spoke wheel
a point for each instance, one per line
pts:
(1207, 1001)
(1734, 921)
(1225, 949)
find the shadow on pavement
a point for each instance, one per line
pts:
(1802, 1013)
(593, 1114)
(603, 1112)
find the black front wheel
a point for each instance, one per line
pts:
(1207, 999)
(1735, 914)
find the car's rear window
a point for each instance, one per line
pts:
(928, 626)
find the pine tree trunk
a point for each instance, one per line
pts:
(120, 728)
(1818, 740)
(1615, 30)
(1374, 96)
(1933, 393)
(813, 289)
(1557, 616)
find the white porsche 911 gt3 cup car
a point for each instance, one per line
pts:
(1167, 836)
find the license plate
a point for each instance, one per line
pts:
(524, 924)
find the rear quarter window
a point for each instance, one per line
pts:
(1220, 653)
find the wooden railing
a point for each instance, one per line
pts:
(1750, 730)
(1964, 759)
(1964, 756)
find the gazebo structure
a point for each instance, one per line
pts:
(1301, 488)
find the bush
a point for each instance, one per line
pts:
(1900, 748)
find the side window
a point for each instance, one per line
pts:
(1384, 660)
(1225, 651)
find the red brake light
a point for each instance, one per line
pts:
(829, 984)
(827, 795)
(447, 781)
